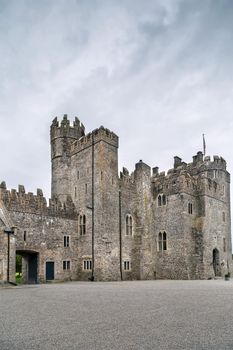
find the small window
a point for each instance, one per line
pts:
(87, 265)
(190, 208)
(162, 241)
(101, 175)
(66, 264)
(223, 190)
(75, 192)
(24, 236)
(224, 244)
(223, 216)
(78, 174)
(66, 241)
(162, 200)
(82, 225)
(129, 225)
(86, 188)
(127, 265)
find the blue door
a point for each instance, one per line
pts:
(49, 270)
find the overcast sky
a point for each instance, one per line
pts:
(159, 73)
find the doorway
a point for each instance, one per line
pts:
(49, 270)
(216, 263)
(27, 266)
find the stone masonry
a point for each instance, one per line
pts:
(102, 226)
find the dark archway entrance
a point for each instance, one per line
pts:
(30, 260)
(216, 263)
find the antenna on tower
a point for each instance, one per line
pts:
(204, 144)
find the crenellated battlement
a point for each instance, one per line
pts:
(126, 177)
(203, 176)
(21, 201)
(66, 129)
(100, 134)
(199, 164)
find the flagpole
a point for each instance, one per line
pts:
(204, 144)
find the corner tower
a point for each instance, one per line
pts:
(62, 135)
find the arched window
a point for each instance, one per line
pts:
(164, 199)
(82, 225)
(162, 241)
(190, 208)
(129, 225)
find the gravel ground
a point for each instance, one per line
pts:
(118, 315)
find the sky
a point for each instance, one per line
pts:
(159, 73)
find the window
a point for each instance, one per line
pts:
(162, 200)
(129, 225)
(75, 192)
(24, 236)
(66, 241)
(87, 265)
(85, 188)
(127, 265)
(190, 208)
(82, 225)
(78, 175)
(223, 216)
(223, 190)
(162, 241)
(66, 264)
(224, 244)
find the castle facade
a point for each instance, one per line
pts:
(102, 226)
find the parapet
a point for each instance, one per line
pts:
(20, 201)
(65, 129)
(100, 134)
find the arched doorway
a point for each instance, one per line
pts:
(216, 263)
(29, 266)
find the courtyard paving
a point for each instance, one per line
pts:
(118, 315)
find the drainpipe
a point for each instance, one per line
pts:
(120, 235)
(93, 212)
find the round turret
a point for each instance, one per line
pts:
(62, 136)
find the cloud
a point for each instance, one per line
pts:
(158, 73)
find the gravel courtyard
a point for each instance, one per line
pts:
(118, 315)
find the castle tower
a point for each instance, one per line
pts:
(95, 192)
(62, 135)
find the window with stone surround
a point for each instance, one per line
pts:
(66, 241)
(82, 225)
(162, 241)
(66, 264)
(87, 265)
(223, 216)
(127, 265)
(162, 200)
(224, 244)
(129, 225)
(190, 208)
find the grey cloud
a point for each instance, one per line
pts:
(158, 73)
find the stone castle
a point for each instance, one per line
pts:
(102, 226)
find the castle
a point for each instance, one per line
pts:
(102, 226)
